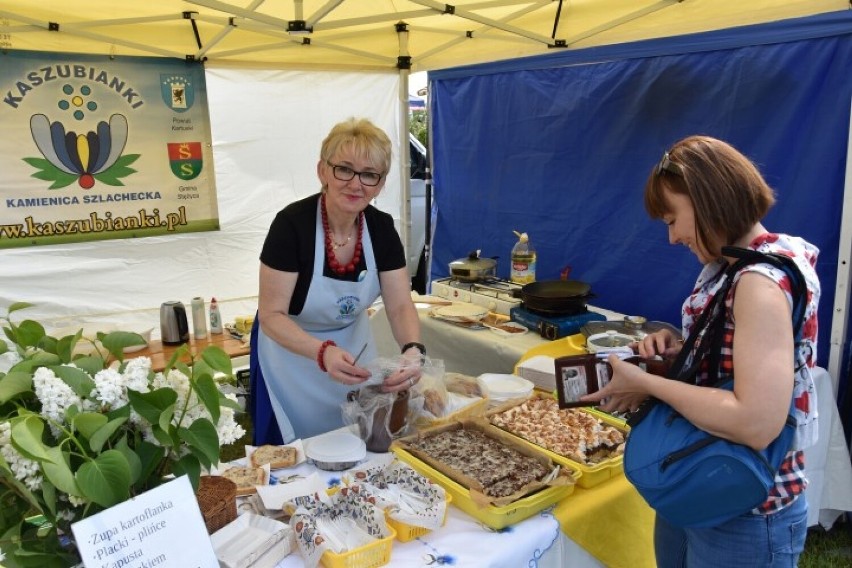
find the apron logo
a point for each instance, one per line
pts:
(347, 306)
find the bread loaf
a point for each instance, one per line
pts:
(246, 478)
(276, 456)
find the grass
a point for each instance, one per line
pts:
(823, 549)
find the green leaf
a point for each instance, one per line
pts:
(132, 458)
(26, 438)
(39, 359)
(106, 479)
(79, 381)
(91, 364)
(166, 418)
(13, 384)
(116, 341)
(188, 465)
(232, 404)
(202, 436)
(87, 423)
(150, 405)
(65, 346)
(181, 351)
(59, 472)
(217, 359)
(48, 495)
(205, 388)
(97, 441)
(19, 305)
(163, 437)
(28, 333)
(150, 457)
(48, 343)
(3, 347)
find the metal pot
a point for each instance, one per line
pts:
(473, 268)
(556, 297)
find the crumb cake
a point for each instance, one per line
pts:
(570, 432)
(501, 470)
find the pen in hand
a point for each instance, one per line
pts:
(358, 356)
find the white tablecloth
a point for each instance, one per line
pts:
(466, 351)
(464, 542)
(828, 465)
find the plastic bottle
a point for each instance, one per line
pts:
(215, 317)
(199, 320)
(523, 260)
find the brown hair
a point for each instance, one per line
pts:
(726, 189)
(366, 140)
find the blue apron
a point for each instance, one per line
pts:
(303, 400)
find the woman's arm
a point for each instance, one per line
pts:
(754, 412)
(276, 290)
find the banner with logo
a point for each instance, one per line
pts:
(97, 147)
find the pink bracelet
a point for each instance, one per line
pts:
(321, 354)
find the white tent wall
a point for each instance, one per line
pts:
(267, 128)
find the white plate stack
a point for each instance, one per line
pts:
(501, 387)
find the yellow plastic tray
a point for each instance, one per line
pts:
(569, 345)
(494, 517)
(406, 532)
(591, 474)
(376, 553)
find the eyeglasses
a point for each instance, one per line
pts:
(667, 165)
(345, 173)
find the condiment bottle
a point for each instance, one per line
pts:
(523, 260)
(199, 320)
(215, 317)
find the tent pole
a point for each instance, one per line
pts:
(840, 314)
(404, 66)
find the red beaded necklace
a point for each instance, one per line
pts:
(330, 255)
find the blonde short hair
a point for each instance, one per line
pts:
(363, 138)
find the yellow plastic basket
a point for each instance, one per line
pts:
(406, 532)
(592, 474)
(376, 553)
(489, 515)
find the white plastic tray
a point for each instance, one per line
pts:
(252, 541)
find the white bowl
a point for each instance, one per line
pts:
(504, 387)
(335, 451)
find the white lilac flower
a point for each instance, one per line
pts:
(109, 388)
(54, 394)
(136, 374)
(24, 469)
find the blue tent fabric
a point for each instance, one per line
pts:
(264, 425)
(560, 146)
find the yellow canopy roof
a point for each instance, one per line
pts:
(368, 34)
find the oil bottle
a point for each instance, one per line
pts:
(523, 260)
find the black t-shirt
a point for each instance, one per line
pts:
(291, 241)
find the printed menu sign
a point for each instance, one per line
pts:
(162, 527)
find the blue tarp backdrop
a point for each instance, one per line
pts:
(560, 146)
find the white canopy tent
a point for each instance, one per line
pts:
(325, 59)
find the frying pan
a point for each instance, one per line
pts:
(556, 297)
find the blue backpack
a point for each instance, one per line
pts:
(689, 477)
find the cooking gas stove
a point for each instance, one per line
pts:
(495, 294)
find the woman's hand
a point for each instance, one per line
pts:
(407, 375)
(624, 392)
(664, 343)
(340, 366)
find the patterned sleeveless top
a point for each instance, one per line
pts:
(790, 480)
